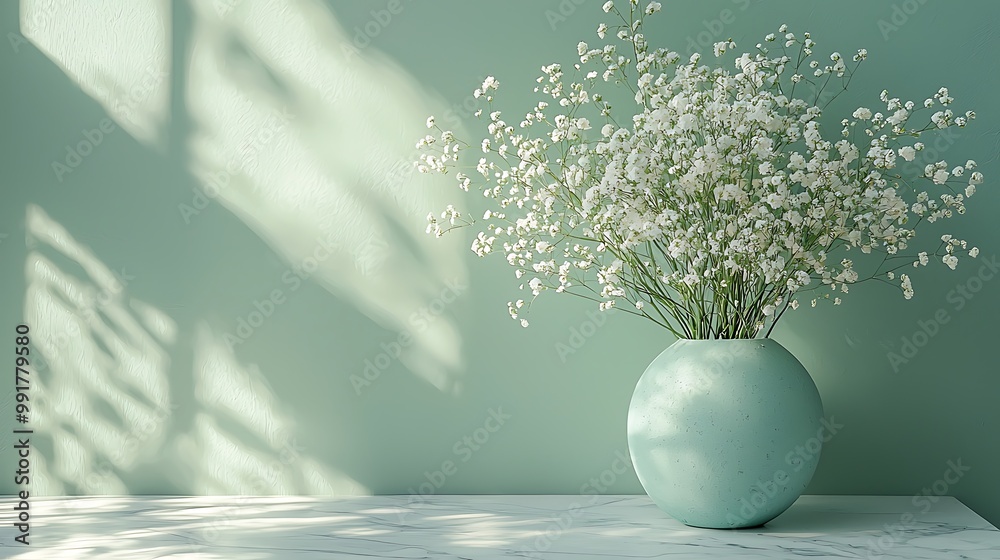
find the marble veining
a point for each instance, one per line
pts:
(484, 527)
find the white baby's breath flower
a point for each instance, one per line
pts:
(608, 6)
(713, 174)
(898, 118)
(906, 285)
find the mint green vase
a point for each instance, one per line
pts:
(725, 434)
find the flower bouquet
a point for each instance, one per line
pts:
(717, 200)
(709, 198)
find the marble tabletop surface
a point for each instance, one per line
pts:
(483, 527)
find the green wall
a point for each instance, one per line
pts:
(136, 283)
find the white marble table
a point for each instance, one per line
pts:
(483, 527)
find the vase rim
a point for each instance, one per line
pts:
(725, 340)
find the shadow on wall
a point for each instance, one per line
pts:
(238, 195)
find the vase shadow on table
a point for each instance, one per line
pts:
(816, 518)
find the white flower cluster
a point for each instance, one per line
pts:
(714, 203)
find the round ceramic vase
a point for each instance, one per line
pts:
(725, 434)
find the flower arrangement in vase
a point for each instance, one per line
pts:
(711, 205)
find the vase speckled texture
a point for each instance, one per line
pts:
(725, 433)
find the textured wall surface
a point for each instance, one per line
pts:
(209, 224)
